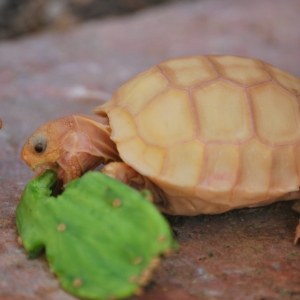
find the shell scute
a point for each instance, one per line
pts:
(124, 125)
(185, 73)
(185, 172)
(213, 132)
(139, 91)
(254, 174)
(233, 68)
(142, 156)
(222, 112)
(161, 122)
(275, 113)
(284, 177)
(219, 173)
(287, 80)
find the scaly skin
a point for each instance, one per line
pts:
(71, 145)
(76, 144)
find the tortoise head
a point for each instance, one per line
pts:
(44, 148)
(71, 145)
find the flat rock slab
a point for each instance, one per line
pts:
(244, 254)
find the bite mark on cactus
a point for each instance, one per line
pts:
(147, 194)
(168, 252)
(139, 292)
(137, 260)
(20, 241)
(77, 282)
(117, 202)
(133, 279)
(147, 273)
(162, 238)
(61, 227)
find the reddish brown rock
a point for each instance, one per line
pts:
(244, 254)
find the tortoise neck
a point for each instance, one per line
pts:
(99, 132)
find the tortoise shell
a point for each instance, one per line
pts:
(213, 132)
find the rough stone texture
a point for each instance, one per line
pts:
(244, 254)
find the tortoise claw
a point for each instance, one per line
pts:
(297, 235)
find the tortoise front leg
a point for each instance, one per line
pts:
(131, 177)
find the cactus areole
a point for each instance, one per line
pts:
(101, 238)
(206, 134)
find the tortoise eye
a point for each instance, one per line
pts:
(39, 145)
(40, 148)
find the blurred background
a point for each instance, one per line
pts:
(18, 17)
(60, 57)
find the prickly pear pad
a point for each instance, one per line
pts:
(102, 238)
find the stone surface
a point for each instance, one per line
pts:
(244, 254)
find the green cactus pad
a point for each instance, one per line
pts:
(102, 238)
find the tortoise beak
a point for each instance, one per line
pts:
(27, 157)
